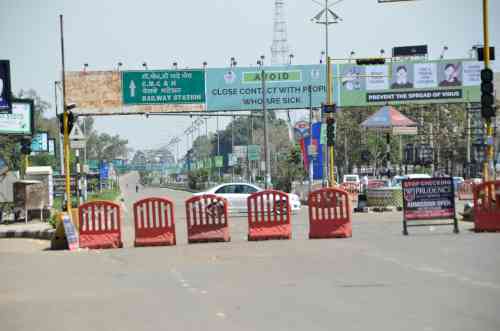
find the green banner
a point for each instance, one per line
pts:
(219, 161)
(163, 87)
(403, 82)
(253, 152)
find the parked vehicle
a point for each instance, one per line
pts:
(237, 193)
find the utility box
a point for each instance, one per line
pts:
(6, 186)
(44, 175)
(30, 199)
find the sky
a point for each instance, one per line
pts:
(103, 33)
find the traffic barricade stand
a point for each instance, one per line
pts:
(100, 225)
(353, 190)
(487, 207)
(269, 215)
(465, 190)
(154, 222)
(330, 214)
(376, 183)
(206, 217)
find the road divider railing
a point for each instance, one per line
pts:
(269, 215)
(154, 222)
(487, 207)
(207, 220)
(100, 225)
(330, 214)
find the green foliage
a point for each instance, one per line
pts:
(111, 195)
(196, 178)
(290, 169)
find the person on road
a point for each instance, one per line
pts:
(136, 188)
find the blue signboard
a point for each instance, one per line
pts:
(318, 160)
(104, 171)
(287, 87)
(40, 142)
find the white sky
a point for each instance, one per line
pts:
(102, 33)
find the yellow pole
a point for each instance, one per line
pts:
(66, 161)
(26, 163)
(489, 127)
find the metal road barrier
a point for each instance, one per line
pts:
(206, 217)
(330, 214)
(487, 206)
(100, 225)
(154, 222)
(269, 215)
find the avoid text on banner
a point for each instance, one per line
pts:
(443, 81)
(287, 87)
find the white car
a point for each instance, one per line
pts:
(237, 193)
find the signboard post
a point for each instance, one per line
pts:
(163, 87)
(5, 92)
(428, 199)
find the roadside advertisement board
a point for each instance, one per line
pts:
(287, 87)
(443, 81)
(40, 142)
(5, 91)
(428, 199)
(20, 121)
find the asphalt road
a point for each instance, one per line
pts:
(376, 280)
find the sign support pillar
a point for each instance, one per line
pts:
(65, 124)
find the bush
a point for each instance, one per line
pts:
(196, 178)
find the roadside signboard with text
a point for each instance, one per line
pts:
(5, 89)
(428, 199)
(154, 87)
(20, 121)
(253, 152)
(402, 82)
(287, 87)
(40, 142)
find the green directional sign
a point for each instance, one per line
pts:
(253, 152)
(163, 87)
(322, 137)
(219, 161)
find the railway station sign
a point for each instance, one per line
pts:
(163, 87)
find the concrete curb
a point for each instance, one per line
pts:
(46, 234)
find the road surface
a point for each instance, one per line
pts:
(376, 280)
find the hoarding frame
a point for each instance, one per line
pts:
(31, 104)
(5, 91)
(422, 220)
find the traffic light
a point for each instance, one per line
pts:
(487, 98)
(26, 146)
(370, 61)
(330, 131)
(329, 109)
(71, 122)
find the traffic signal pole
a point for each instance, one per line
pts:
(65, 126)
(331, 147)
(488, 164)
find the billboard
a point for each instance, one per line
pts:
(287, 87)
(426, 199)
(40, 142)
(20, 121)
(52, 146)
(100, 93)
(443, 81)
(5, 92)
